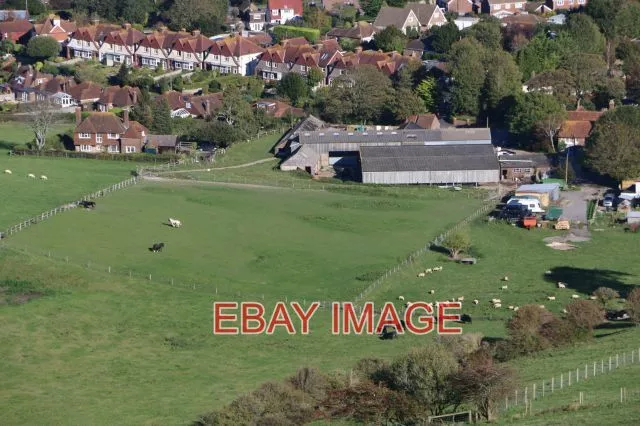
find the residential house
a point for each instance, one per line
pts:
(106, 132)
(14, 15)
(184, 106)
(565, 4)
(26, 82)
(151, 52)
(421, 121)
(523, 23)
(118, 97)
(525, 166)
(17, 31)
(6, 93)
(281, 11)
(387, 63)
(120, 46)
(86, 41)
(278, 109)
(415, 48)
(189, 51)
(577, 127)
(361, 32)
(162, 144)
(332, 6)
(277, 61)
(56, 90)
(463, 22)
(85, 94)
(538, 7)
(461, 7)
(257, 20)
(502, 8)
(54, 26)
(414, 16)
(233, 55)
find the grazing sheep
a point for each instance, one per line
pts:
(575, 296)
(431, 291)
(428, 271)
(593, 298)
(476, 301)
(505, 278)
(496, 301)
(175, 223)
(461, 299)
(548, 272)
(497, 305)
(401, 298)
(31, 175)
(8, 171)
(564, 311)
(562, 285)
(437, 269)
(551, 298)
(542, 307)
(516, 308)
(504, 287)
(421, 274)
(43, 177)
(510, 307)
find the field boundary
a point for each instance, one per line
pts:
(63, 208)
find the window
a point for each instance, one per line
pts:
(274, 12)
(113, 148)
(98, 138)
(560, 2)
(581, 1)
(113, 135)
(497, 6)
(155, 51)
(517, 170)
(85, 136)
(85, 148)
(527, 170)
(215, 57)
(518, 5)
(129, 149)
(188, 55)
(146, 49)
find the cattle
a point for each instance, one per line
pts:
(157, 247)
(175, 223)
(465, 318)
(88, 204)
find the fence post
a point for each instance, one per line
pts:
(609, 363)
(617, 360)
(594, 368)
(577, 375)
(569, 383)
(534, 391)
(585, 371)
(543, 388)
(561, 380)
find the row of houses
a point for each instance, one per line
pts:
(501, 8)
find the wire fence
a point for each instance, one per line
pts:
(554, 384)
(60, 209)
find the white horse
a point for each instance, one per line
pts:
(175, 223)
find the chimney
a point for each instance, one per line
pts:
(196, 33)
(183, 30)
(612, 104)
(207, 108)
(126, 118)
(56, 20)
(78, 116)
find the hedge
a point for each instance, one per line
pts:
(137, 157)
(285, 31)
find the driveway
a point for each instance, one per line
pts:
(574, 203)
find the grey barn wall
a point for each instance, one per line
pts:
(435, 177)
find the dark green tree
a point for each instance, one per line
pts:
(444, 36)
(390, 39)
(536, 113)
(427, 91)
(161, 124)
(293, 86)
(503, 79)
(43, 47)
(122, 77)
(588, 71)
(371, 7)
(586, 34)
(142, 112)
(177, 84)
(136, 11)
(487, 32)
(314, 76)
(467, 61)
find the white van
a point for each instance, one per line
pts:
(532, 204)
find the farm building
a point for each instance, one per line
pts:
(525, 166)
(633, 217)
(545, 192)
(417, 164)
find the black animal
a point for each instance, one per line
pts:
(464, 318)
(389, 332)
(157, 247)
(88, 204)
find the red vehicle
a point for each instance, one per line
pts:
(529, 222)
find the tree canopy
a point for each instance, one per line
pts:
(43, 47)
(390, 39)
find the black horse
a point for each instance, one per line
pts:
(389, 332)
(157, 247)
(465, 318)
(88, 204)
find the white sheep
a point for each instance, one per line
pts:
(175, 223)
(551, 298)
(461, 299)
(548, 272)
(8, 171)
(575, 296)
(593, 298)
(562, 285)
(516, 309)
(505, 278)
(476, 301)
(421, 274)
(401, 298)
(437, 269)
(496, 301)
(43, 177)
(504, 287)
(564, 311)
(406, 305)
(497, 305)
(511, 307)
(431, 291)
(428, 271)
(542, 307)
(31, 175)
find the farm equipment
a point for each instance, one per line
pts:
(529, 222)
(563, 224)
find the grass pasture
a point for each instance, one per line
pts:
(68, 179)
(17, 133)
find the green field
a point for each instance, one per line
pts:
(68, 180)
(19, 134)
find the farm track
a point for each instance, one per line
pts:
(206, 182)
(237, 166)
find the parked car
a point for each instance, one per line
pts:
(617, 315)
(514, 213)
(609, 201)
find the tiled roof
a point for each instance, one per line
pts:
(575, 129)
(101, 122)
(119, 96)
(85, 91)
(296, 5)
(19, 26)
(135, 131)
(584, 115)
(47, 27)
(425, 121)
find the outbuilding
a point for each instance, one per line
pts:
(545, 192)
(633, 217)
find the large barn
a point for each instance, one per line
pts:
(400, 156)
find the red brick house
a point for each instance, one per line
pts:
(577, 127)
(54, 26)
(421, 121)
(118, 97)
(565, 4)
(106, 132)
(280, 11)
(16, 31)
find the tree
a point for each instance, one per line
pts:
(588, 70)
(43, 47)
(122, 77)
(457, 241)
(423, 375)
(487, 32)
(314, 77)
(584, 314)
(136, 11)
(628, 20)
(550, 125)
(203, 14)
(235, 110)
(41, 117)
(561, 81)
(484, 384)
(605, 295)
(177, 83)
(608, 89)
(86, 72)
(503, 79)
(142, 112)
(293, 86)
(407, 103)
(390, 39)
(315, 17)
(633, 305)
(544, 54)
(427, 90)
(468, 74)
(444, 36)
(605, 14)
(7, 46)
(613, 147)
(161, 124)
(371, 7)
(586, 34)
(536, 112)
(348, 44)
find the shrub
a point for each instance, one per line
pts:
(43, 47)
(605, 294)
(457, 242)
(633, 305)
(585, 314)
(286, 31)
